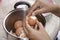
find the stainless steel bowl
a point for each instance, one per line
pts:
(11, 18)
(16, 14)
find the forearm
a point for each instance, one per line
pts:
(57, 11)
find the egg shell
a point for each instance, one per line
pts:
(32, 20)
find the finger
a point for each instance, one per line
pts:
(26, 18)
(32, 9)
(28, 27)
(25, 31)
(36, 27)
(40, 25)
(42, 10)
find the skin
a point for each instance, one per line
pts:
(43, 7)
(40, 7)
(35, 34)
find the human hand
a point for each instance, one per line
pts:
(42, 7)
(35, 34)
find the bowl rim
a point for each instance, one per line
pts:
(5, 26)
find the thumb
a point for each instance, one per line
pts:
(42, 10)
(40, 25)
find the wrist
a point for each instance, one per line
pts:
(56, 10)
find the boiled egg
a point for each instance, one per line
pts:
(32, 20)
(18, 31)
(18, 24)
